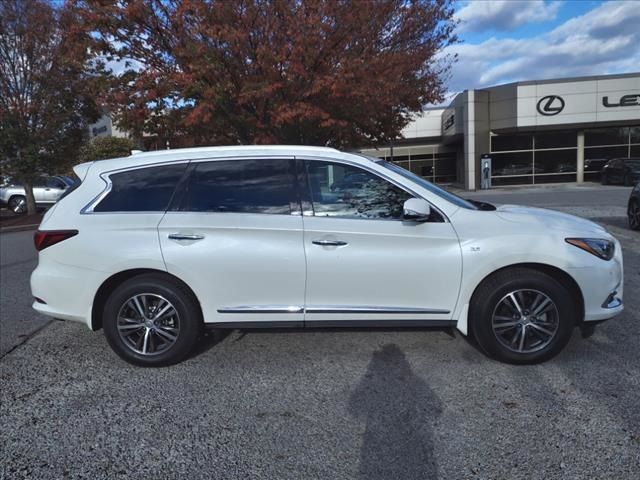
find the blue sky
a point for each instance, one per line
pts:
(504, 41)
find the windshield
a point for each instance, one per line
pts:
(448, 196)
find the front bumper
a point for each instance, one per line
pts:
(602, 287)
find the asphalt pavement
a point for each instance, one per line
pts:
(327, 404)
(18, 321)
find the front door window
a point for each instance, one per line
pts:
(339, 190)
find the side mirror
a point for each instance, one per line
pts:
(416, 210)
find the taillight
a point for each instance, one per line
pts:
(45, 238)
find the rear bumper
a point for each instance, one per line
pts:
(67, 291)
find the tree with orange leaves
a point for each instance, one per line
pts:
(320, 72)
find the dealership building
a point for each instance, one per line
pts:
(524, 133)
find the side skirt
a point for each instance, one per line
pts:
(336, 324)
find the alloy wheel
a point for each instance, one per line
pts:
(18, 205)
(525, 321)
(148, 324)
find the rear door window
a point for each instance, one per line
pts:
(39, 182)
(55, 183)
(240, 186)
(142, 190)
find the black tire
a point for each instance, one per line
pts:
(492, 295)
(605, 179)
(627, 180)
(17, 204)
(187, 319)
(633, 215)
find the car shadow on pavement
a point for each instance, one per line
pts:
(399, 409)
(209, 339)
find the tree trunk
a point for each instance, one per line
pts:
(31, 200)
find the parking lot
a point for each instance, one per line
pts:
(323, 404)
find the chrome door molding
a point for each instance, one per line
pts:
(371, 309)
(360, 309)
(262, 309)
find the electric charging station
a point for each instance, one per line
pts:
(485, 172)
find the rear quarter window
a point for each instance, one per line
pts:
(142, 190)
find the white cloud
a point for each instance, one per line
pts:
(503, 15)
(603, 40)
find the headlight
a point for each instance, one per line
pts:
(599, 247)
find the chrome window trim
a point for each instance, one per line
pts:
(244, 157)
(373, 172)
(106, 178)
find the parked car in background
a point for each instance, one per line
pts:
(633, 209)
(621, 171)
(46, 190)
(594, 164)
(568, 167)
(5, 180)
(155, 247)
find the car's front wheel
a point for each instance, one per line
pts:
(152, 320)
(18, 204)
(522, 316)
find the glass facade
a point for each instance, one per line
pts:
(429, 162)
(549, 157)
(552, 157)
(603, 144)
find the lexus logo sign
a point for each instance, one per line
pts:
(550, 105)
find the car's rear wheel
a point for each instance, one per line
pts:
(18, 204)
(633, 213)
(522, 316)
(152, 320)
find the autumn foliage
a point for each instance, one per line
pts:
(319, 72)
(46, 90)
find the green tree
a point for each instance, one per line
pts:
(102, 148)
(337, 72)
(46, 94)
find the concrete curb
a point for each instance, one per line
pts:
(19, 228)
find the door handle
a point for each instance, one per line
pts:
(329, 243)
(185, 236)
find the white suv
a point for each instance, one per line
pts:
(155, 246)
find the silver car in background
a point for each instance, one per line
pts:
(46, 190)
